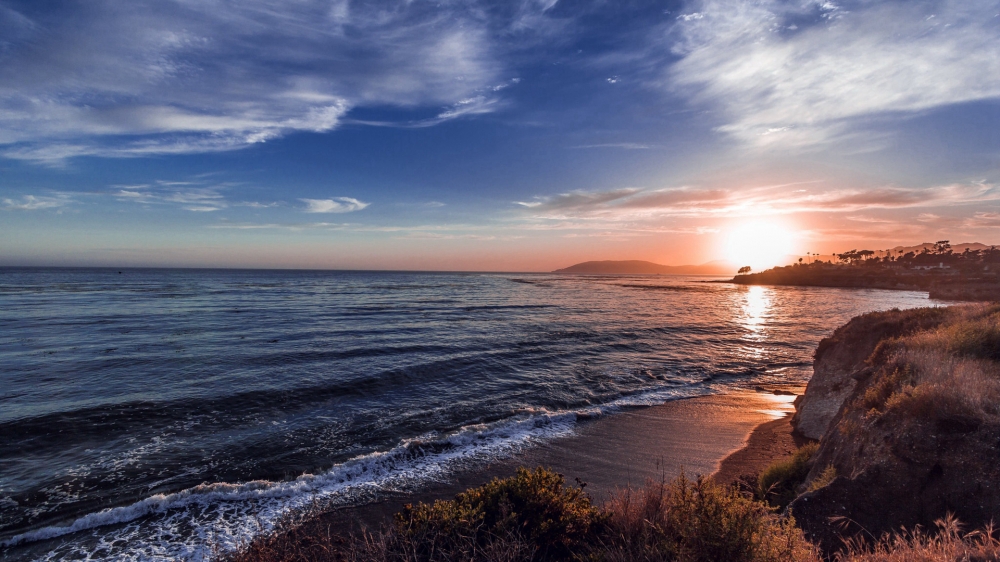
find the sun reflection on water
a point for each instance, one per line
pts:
(756, 311)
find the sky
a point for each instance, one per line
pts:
(499, 136)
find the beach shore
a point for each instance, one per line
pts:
(725, 435)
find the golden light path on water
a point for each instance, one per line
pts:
(756, 309)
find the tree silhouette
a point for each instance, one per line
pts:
(743, 270)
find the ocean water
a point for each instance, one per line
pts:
(170, 414)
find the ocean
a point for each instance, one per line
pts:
(169, 414)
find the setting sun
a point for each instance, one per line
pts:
(759, 245)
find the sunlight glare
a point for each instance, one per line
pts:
(758, 244)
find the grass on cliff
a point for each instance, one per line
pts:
(779, 483)
(949, 374)
(947, 544)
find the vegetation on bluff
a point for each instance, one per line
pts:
(534, 516)
(967, 275)
(917, 436)
(678, 521)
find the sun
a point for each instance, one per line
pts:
(759, 244)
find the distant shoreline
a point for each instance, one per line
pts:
(940, 283)
(639, 267)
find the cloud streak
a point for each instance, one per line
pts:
(634, 203)
(334, 205)
(803, 73)
(182, 77)
(35, 203)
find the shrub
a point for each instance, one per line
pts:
(697, 521)
(778, 484)
(534, 506)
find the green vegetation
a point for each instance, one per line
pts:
(678, 521)
(824, 479)
(534, 516)
(779, 483)
(535, 507)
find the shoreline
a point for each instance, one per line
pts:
(720, 435)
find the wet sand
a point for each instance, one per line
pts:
(729, 434)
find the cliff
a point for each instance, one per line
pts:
(907, 408)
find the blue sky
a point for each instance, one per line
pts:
(489, 136)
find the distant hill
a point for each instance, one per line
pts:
(634, 267)
(957, 248)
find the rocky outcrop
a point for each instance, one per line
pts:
(841, 359)
(903, 477)
(918, 435)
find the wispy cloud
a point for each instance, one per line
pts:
(634, 203)
(983, 220)
(183, 77)
(189, 195)
(334, 205)
(35, 203)
(801, 73)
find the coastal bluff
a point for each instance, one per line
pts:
(906, 407)
(840, 361)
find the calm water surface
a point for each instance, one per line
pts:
(152, 414)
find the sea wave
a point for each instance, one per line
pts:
(195, 523)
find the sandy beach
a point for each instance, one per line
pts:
(725, 435)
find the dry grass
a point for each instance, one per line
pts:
(973, 333)
(949, 372)
(697, 521)
(948, 544)
(947, 387)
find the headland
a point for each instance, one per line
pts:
(971, 275)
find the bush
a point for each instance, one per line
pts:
(534, 506)
(697, 521)
(778, 484)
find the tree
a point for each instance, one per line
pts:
(743, 270)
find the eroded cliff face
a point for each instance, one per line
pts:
(916, 433)
(842, 358)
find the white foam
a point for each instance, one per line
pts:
(194, 524)
(188, 524)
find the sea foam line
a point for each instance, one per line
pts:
(244, 510)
